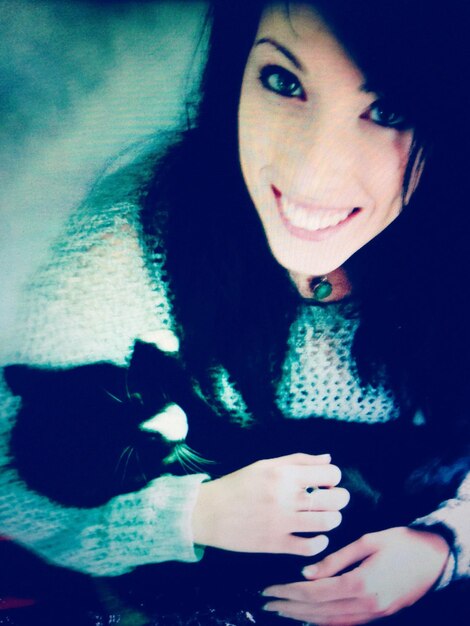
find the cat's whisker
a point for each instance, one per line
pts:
(125, 454)
(189, 459)
(131, 451)
(111, 395)
(141, 467)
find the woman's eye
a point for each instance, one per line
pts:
(383, 115)
(279, 80)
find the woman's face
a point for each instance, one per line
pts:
(322, 157)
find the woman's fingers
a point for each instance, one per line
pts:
(316, 610)
(299, 591)
(301, 458)
(325, 475)
(333, 499)
(302, 546)
(355, 619)
(340, 560)
(295, 485)
(258, 508)
(333, 616)
(316, 521)
(347, 586)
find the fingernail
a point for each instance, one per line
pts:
(310, 571)
(266, 607)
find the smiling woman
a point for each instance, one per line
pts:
(286, 276)
(323, 163)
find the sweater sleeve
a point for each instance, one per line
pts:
(148, 526)
(89, 304)
(454, 516)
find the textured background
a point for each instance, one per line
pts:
(79, 81)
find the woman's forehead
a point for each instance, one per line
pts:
(300, 29)
(299, 18)
(298, 24)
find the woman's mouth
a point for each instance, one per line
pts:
(311, 221)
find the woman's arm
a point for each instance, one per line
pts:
(148, 526)
(89, 303)
(264, 506)
(256, 509)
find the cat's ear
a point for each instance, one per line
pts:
(156, 376)
(39, 382)
(26, 381)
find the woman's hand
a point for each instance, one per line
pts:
(395, 568)
(258, 508)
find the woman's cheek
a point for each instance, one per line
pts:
(402, 145)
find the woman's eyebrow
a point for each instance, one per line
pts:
(366, 87)
(370, 86)
(283, 50)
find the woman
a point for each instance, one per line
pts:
(292, 271)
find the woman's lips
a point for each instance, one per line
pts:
(311, 221)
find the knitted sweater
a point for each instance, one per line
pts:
(93, 299)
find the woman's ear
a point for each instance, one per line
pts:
(415, 177)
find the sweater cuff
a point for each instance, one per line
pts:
(151, 526)
(431, 525)
(452, 521)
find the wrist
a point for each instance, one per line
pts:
(203, 518)
(441, 530)
(440, 546)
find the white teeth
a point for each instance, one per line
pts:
(310, 220)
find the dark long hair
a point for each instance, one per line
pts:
(234, 302)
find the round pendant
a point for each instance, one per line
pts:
(321, 288)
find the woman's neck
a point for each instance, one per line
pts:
(338, 279)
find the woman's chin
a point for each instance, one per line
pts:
(311, 270)
(294, 262)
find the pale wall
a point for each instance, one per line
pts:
(78, 82)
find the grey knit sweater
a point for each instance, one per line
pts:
(90, 302)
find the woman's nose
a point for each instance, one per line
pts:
(325, 160)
